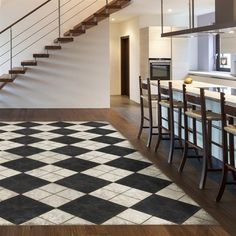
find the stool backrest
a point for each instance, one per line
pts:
(165, 93)
(195, 101)
(145, 90)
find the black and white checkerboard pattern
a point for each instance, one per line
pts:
(76, 173)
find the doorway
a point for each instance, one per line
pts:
(125, 66)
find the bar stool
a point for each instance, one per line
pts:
(165, 99)
(228, 134)
(146, 98)
(198, 113)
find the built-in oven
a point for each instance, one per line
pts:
(160, 68)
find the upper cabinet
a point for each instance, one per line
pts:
(159, 47)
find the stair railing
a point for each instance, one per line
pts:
(82, 6)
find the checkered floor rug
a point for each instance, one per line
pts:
(76, 173)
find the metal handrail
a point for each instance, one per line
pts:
(58, 18)
(12, 47)
(22, 18)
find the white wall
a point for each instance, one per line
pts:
(128, 28)
(75, 77)
(131, 29)
(115, 59)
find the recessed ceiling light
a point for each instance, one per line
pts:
(113, 19)
(169, 10)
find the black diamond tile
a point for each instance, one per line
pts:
(25, 140)
(108, 140)
(25, 151)
(67, 140)
(23, 164)
(83, 183)
(93, 209)
(116, 150)
(166, 208)
(63, 131)
(28, 124)
(22, 183)
(27, 131)
(76, 164)
(61, 124)
(100, 131)
(144, 182)
(128, 164)
(94, 124)
(71, 151)
(21, 209)
(3, 124)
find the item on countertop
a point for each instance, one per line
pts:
(188, 80)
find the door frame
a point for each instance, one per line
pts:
(122, 81)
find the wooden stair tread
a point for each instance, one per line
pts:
(17, 70)
(75, 32)
(41, 55)
(29, 63)
(53, 47)
(64, 40)
(7, 78)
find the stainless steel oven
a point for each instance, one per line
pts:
(160, 68)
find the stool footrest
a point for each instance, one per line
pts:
(214, 170)
(195, 156)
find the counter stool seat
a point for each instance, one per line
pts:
(230, 129)
(197, 114)
(153, 97)
(176, 104)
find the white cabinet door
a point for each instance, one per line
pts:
(159, 47)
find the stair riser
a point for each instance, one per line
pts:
(41, 56)
(53, 48)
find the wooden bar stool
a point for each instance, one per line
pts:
(165, 99)
(228, 135)
(198, 113)
(146, 99)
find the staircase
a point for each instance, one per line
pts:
(68, 37)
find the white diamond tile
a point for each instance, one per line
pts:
(37, 194)
(6, 194)
(136, 193)
(124, 200)
(57, 216)
(70, 194)
(53, 188)
(51, 177)
(55, 201)
(117, 188)
(104, 194)
(134, 216)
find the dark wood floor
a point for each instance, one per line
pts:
(124, 116)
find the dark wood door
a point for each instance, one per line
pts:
(125, 69)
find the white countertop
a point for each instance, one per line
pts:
(194, 89)
(214, 74)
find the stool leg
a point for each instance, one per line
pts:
(231, 152)
(159, 137)
(180, 126)
(186, 139)
(209, 135)
(172, 135)
(142, 120)
(205, 159)
(223, 183)
(150, 127)
(195, 135)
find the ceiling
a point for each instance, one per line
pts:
(153, 7)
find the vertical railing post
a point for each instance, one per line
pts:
(190, 13)
(106, 2)
(193, 14)
(11, 54)
(59, 18)
(162, 17)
